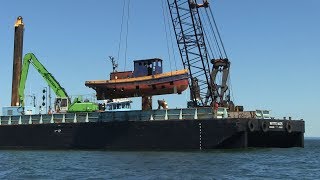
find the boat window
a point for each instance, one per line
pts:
(128, 105)
(64, 103)
(259, 113)
(150, 70)
(10, 112)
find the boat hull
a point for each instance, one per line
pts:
(167, 83)
(172, 134)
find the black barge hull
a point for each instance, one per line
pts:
(202, 133)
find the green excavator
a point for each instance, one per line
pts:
(63, 101)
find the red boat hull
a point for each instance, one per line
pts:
(165, 83)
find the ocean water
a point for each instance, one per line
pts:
(266, 163)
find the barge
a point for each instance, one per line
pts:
(171, 129)
(199, 127)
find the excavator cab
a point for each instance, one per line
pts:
(61, 105)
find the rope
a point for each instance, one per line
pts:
(215, 24)
(214, 34)
(219, 43)
(123, 8)
(126, 47)
(171, 37)
(207, 39)
(165, 28)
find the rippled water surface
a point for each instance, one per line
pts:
(275, 163)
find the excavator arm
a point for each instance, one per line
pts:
(28, 59)
(62, 102)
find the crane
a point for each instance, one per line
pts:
(62, 101)
(202, 53)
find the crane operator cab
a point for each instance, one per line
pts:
(61, 105)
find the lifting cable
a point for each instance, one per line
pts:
(121, 28)
(212, 49)
(126, 47)
(216, 27)
(171, 37)
(226, 56)
(165, 28)
(125, 16)
(215, 33)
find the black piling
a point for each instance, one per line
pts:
(17, 60)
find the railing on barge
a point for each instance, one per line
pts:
(134, 115)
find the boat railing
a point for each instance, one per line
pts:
(133, 115)
(163, 114)
(49, 118)
(182, 114)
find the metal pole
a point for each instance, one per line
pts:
(17, 61)
(46, 100)
(49, 99)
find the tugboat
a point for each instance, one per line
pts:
(147, 79)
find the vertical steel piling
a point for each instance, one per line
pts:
(17, 60)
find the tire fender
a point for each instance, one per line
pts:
(251, 125)
(289, 127)
(264, 126)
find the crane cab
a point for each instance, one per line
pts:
(61, 104)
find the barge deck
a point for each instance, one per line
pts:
(172, 129)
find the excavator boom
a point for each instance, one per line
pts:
(62, 102)
(30, 58)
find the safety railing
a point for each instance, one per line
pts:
(134, 115)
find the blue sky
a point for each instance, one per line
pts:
(273, 46)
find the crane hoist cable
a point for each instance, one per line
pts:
(121, 29)
(224, 51)
(212, 49)
(125, 17)
(214, 39)
(217, 30)
(126, 47)
(166, 30)
(171, 36)
(220, 50)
